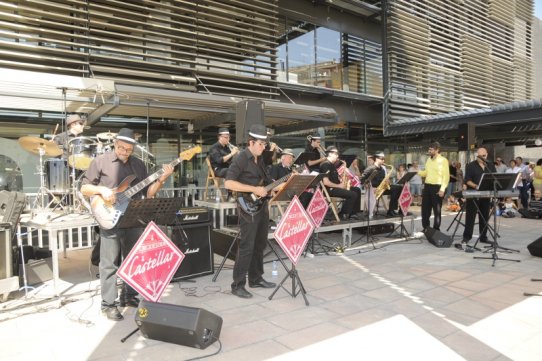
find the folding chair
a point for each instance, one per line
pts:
(211, 177)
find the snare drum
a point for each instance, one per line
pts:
(58, 180)
(82, 149)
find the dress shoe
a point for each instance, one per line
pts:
(261, 283)
(129, 302)
(112, 313)
(241, 292)
(344, 217)
(354, 217)
(391, 214)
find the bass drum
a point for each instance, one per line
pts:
(82, 150)
(58, 180)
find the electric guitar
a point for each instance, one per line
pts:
(251, 204)
(108, 214)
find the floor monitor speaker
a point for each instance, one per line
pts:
(187, 326)
(535, 248)
(437, 238)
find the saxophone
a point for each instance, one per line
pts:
(385, 184)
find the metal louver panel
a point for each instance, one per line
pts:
(453, 55)
(166, 43)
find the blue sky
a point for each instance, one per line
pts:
(538, 8)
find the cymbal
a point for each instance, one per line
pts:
(33, 145)
(106, 135)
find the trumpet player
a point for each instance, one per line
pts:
(222, 153)
(315, 146)
(394, 191)
(336, 188)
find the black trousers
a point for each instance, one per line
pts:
(476, 206)
(252, 243)
(394, 193)
(431, 201)
(351, 204)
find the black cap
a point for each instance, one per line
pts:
(379, 154)
(332, 149)
(223, 131)
(315, 136)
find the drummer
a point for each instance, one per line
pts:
(75, 125)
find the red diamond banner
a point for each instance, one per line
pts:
(151, 263)
(294, 230)
(317, 208)
(405, 199)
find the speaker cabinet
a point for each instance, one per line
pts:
(248, 113)
(187, 326)
(535, 248)
(437, 238)
(194, 241)
(466, 136)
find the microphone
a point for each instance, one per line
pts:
(144, 150)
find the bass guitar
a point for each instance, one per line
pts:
(251, 204)
(108, 214)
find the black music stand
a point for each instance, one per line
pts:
(162, 211)
(497, 182)
(304, 157)
(294, 186)
(368, 188)
(400, 230)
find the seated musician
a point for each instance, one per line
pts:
(283, 168)
(75, 126)
(395, 190)
(338, 189)
(221, 153)
(315, 147)
(534, 210)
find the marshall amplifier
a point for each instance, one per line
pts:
(195, 242)
(194, 215)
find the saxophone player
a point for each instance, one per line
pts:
(336, 188)
(377, 181)
(222, 152)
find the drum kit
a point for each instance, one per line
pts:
(60, 176)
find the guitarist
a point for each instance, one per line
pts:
(105, 173)
(247, 174)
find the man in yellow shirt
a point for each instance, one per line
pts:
(437, 176)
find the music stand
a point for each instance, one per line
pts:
(497, 182)
(403, 233)
(294, 186)
(163, 211)
(368, 189)
(304, 157)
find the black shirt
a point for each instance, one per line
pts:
(278, 171)
(109, 171)
(244, 170)
(453, 172)
(473, 171)
(216, 155)
(63, 141)
(330, 171)
(315, 167)
(378, 178)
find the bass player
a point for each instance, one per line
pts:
(106, 172)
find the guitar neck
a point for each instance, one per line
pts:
(139, 186)
(277, 182)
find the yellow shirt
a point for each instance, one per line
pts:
(437, 171)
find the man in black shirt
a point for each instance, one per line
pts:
(395, 190)
(221, 153)
(473, 174)
(75, 126)
(105, 173)
(315, 147)
(336, 188)
(285, 167)
(247, 174)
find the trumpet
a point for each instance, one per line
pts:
(320, 148)
(232, 147)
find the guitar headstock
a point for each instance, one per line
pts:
(189, 153)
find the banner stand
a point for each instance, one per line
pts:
(297, 285)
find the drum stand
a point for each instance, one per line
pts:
(40, 202)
